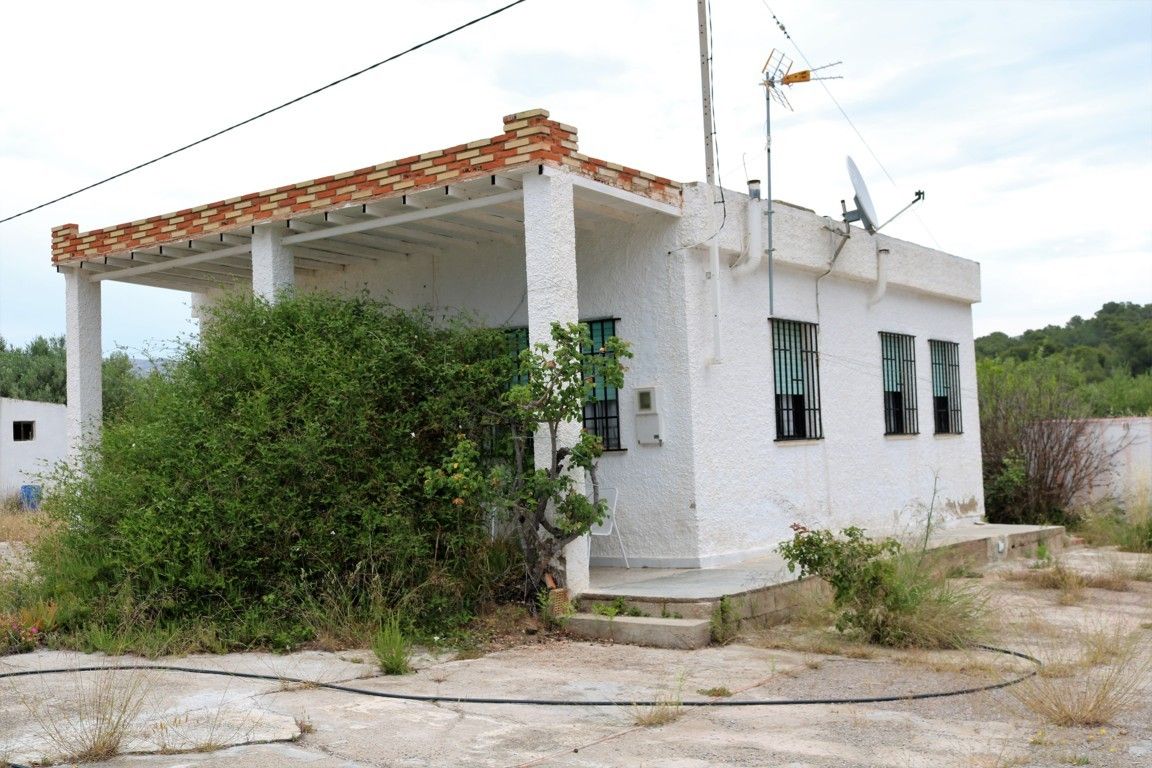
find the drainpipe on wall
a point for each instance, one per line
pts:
(881, 276)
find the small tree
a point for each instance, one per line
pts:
(546, 506)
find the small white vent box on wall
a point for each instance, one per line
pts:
(647, 417)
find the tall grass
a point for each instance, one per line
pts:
(99, 717)
(1098, 674)
(392, 647)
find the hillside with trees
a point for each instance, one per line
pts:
(38, 371)
(1105, 360)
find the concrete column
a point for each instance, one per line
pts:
(550, 261)
(85, 359)
(272, 265)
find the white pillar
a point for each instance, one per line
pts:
(272, 265)
(550, 263)
(85, 359)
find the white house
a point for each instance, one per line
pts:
(848, 397)
(33, 437)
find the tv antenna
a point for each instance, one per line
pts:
(778, 72)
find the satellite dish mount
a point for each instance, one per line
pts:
(864, 212)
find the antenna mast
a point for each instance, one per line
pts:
(710, 167)
(777, 72)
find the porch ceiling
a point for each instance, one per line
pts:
(447, 200)
(451, 218)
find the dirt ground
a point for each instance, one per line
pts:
(234, 722)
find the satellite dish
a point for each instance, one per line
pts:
(865, 212)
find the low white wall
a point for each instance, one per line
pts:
(21, 461)
(1129, 476)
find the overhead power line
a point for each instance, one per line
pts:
(267, 112)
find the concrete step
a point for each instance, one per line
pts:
(681, 598)
(649, 631)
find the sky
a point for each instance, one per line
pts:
(1027, 124)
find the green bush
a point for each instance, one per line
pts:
(282, 453)
(392, 648)
(890, 596)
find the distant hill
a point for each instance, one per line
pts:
(1106, 360)
(1117, 339)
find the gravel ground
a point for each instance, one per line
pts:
(989, 730)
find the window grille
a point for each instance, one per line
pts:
(898, 361)
(946, 387)
(602, 415)
(23, 431)
(797, 373)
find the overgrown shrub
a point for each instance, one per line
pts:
(1038, 451)
(891, 596)
(282, 453)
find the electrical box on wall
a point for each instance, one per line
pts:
(647, 417)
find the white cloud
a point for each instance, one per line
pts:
(1029, 124)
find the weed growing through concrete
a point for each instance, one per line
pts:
(719, 692)
(664, 709)
(392, 648)
(725, 623)
(98, 718)
(1102, 673)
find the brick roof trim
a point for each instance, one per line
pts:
(528, 137)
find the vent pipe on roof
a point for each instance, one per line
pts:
(754, 251)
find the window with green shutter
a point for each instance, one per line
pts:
(946, 387)
(796, 368)
(898, 365)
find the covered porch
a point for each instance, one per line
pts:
(502, 215)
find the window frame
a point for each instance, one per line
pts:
(603, 413)
(796, 366)
(898, 380)
(947, 414)
(23, 430)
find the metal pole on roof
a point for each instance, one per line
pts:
(706, 91)
(710, 169)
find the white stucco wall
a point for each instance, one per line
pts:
(1128, 480)
(21, 461)
(749, 487)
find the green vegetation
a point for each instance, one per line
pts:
(310, 469)
(280, 456)
(890, 596)
(724, 623)
(545, 506)
(1128, 529)
(391, 647)
(38, 372)
(1035, 392)
(1106, 360)
(618, 607)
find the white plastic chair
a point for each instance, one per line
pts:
(608, 525)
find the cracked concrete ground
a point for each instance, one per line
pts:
(258, 723)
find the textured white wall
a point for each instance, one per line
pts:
(750, 487)
(21, 461)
